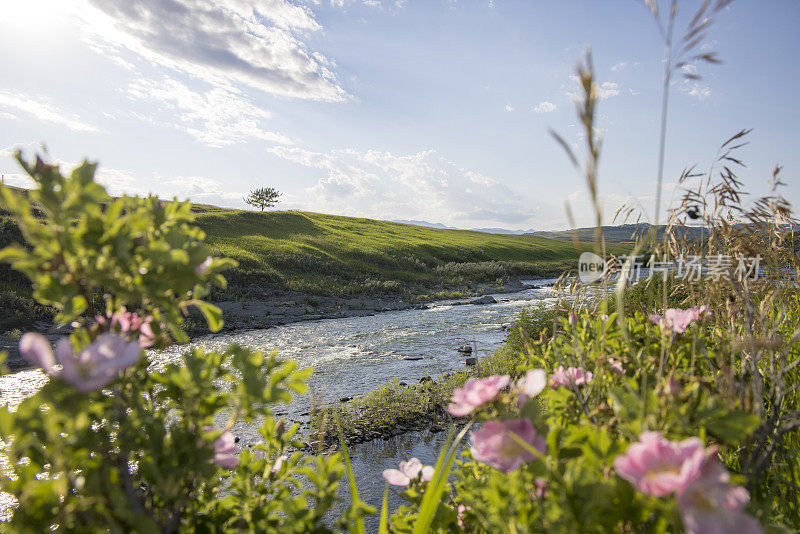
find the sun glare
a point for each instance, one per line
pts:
(36, 18)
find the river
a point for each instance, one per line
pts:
(351, 356)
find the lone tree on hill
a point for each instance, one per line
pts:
(263, 197)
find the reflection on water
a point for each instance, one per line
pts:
(371, 458)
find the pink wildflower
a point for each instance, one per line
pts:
(90, 369)
(203, 267)
(36, 349)
(410, 470)
(124, 322)
(530, 385)
(616, 366)
(225, 451)
(474, 393)
(656, 466)
(279, 463)
(573, 376)
(676, 320)
(710, 504)
(493, 444)
(703, 311)
(462, 509)
(541, 487)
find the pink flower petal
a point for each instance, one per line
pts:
(492, 444)
(427, 473)
(99, 363)
(37, 350)
(278, 462)
(656, 466)
(225, 451)
(411, 468)
(203, 267)
(395, 477)
(475, 393)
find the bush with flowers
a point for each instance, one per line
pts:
(114, 442)
(634, 414)
(605, 445)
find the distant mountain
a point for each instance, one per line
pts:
(502, 231)
(425, 224)
(443, 227)
(624, 233)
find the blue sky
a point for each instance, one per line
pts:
(427, 110)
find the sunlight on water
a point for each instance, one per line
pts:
(350, 357)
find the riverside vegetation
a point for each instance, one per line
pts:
(670, 407)
(610, 421)
(328, 263)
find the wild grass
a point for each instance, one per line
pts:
(755, 366)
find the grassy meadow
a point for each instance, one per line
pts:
(346, 256)
(335, 256)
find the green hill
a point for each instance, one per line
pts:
(334, 255)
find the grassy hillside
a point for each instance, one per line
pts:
(333, 256)
(327, 254)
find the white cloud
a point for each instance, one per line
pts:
(116, 181)
(219, 117)
(121, 182)
(509, 107)
(700, 91)
(689, 69)
(604, 89)
(608, 89)
(695, 89)
(43, 111)
(423, 185)
(544, 107)
(623, 65)
(255, 43)
(199, 189)
(348, 3)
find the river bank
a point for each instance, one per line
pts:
(287, 307)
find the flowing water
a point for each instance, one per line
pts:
(351, 356)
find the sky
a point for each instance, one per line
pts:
(432, 110)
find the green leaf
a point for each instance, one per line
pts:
(212, 314)
(383, 525)
(733, 427)
(13, 253)
(625, 403)
(359, 526)
(433, 492)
